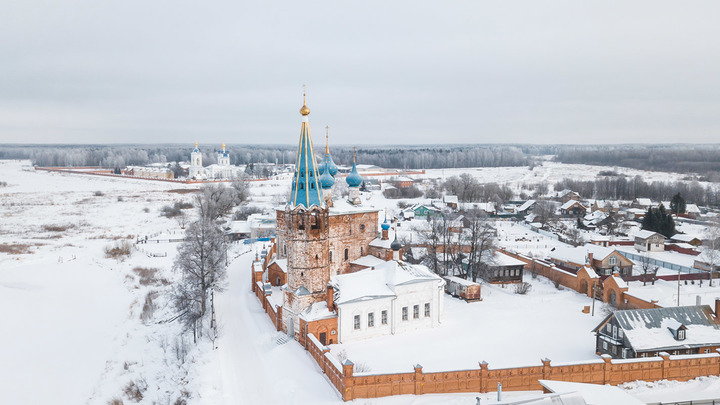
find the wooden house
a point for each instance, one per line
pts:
(635, 333)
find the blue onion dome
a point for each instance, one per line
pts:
(332, 167)
(196, 150)
(326, 180)
(354, 179)
(385, 226)
(321, 167)
(396, 245)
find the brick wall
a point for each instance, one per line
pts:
(483, 379)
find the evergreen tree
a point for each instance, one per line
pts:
(677, 205)
(658, 220)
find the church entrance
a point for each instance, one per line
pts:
(323, 337)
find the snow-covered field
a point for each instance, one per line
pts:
(505, 329)
(75, 329)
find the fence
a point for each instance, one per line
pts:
(660, 263)
(484, 379)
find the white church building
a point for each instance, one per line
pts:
(393, 297)
(222, 170)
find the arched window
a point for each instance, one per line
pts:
(346, 254)
(330, 256)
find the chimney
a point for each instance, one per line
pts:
(698, 300)
(717, 307)
(590, 258)
(330, 297)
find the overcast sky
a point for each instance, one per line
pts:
(378, 72)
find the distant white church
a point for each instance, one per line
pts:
(221, 170)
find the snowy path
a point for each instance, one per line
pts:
(248, 366)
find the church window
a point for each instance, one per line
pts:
(301, 186)
(371, 319)
(416, 311)
(347, 253)
(330, 256)
(361, 251)
(312, 186)
(302, 173)
(427, 309)
(383, 317)
(404, 313)
(356, 321)
(362, 228)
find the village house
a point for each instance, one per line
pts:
(603, 260)
(403, 182)
(635, 333)
(642, 203)
(649, 241)
(451, 201)
(567, 195)
(505, 269)
(574, 208)
(686, 238)
(462, 288)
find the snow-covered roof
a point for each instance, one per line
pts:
(645, 202)
(316, 311)
(594, 394)
(565, 192)
(368, 261)
(527, 204)
(450, 199)
(569, 204)
(460, 281)
(385, 244)
(281, 263)
(487, 207)
(501, 259)
(379, 282)
(343, 207)
(239, 227)
(647, 329)
(580, 253)
(692, 209)
(684, 237)
(644, 234)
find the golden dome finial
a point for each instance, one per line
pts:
(327, 140)
(196, 144)
(354, 148)
(223, 146)
(304, 110)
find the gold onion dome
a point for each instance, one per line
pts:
(304, 110)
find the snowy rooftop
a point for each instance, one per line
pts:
(460, 281)
(647, 329)
(570, 203)
(594, 394)
(644, 234)
(368, 261)
(501, 259)
(316, 311)
(579, 254)
(378, 282)
(282, 263)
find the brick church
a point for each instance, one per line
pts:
(322, 239)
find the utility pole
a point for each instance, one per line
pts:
(678, 286)
(593, 294)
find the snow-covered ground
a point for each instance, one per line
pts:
(505, 329)
(74, 328)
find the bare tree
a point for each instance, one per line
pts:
(645, 266)
(545, 210)
(711, 247)
(481, 242)
(216, 201)
(201, 263)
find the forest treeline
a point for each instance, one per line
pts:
(628, 188)
(400, 157)
(703, 160)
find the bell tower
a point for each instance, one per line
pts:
(304, 234)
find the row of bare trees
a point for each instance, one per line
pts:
(202, 259)
(460, 245)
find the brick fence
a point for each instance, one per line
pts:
(483, 379)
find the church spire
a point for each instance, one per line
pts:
(305, 188)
